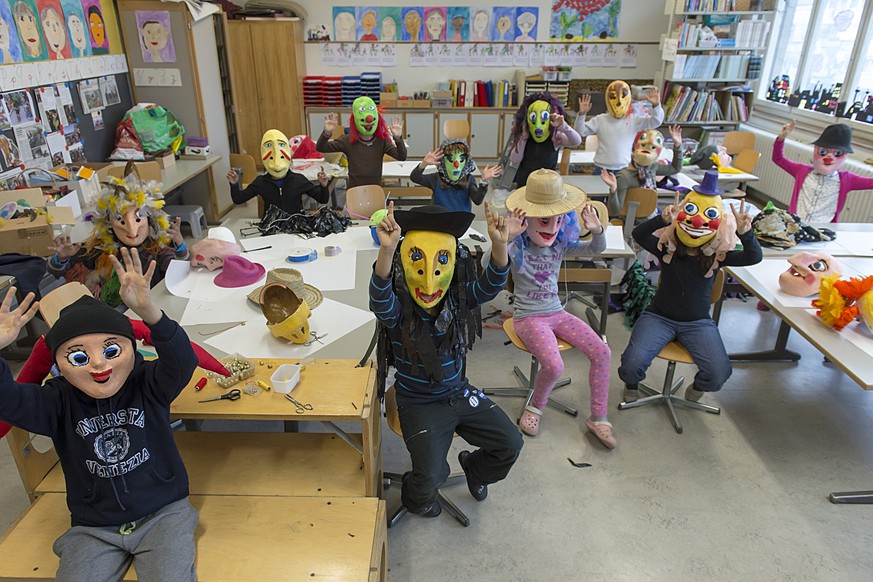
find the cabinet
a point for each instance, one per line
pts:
(195, 100)
(421, 136)
(267, 70)
(485, 136)
(717, 65)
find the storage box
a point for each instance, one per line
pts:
(441, 102)
(441, 94)
(387, 98)
(32, 237)
(405, 104)
(165, 161)
(421, 103)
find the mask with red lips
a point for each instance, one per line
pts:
(98, 364)
(698, 219)
(826, 161)
(543, 232)
(428, 259)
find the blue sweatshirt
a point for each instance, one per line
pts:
(138, 470)
(413, 385)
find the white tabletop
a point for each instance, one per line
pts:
(403, 169)
(850, 349)
(592, 185)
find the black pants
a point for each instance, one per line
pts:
(428, 430)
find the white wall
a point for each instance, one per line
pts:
(640, 20)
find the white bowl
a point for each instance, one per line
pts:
(285, 378)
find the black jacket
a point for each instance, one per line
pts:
(288, 196)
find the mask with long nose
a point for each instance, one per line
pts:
(275, 153)
(428, 260)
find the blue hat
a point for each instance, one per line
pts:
(709, 186)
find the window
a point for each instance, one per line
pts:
(824, 49)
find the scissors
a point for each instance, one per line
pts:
(301, 408)
(232, 395)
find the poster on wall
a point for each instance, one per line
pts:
(389, 23)
(19, 105)
(96, 27)
(584, 19)
(155, 36)
(412, 23)
(504, 24)
(480, 25)
(526, 19)
(458, 18)
(366, 24)
(25, 16)
(54, 30)
(435, 24)
(80, 42)
(344, 23)
(10, 48)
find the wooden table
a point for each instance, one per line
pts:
(337, 390)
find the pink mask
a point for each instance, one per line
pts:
(826, 161)
(211, 253)
(544, 231)
(803, 277)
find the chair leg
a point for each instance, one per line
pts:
(444, 501)
(668, 397)
(527, 390)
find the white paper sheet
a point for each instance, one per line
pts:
(767, 272)
(232, 310)
(614, 238)
(183, 281)
(855, 333)
(330, 321)
(859, 244)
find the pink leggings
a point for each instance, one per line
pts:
(540, 332)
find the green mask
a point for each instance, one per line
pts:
(366, 116)
(538, 121)
(454, 165)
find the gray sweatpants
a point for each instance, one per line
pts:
(161, 545)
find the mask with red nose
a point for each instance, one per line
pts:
(826, 161)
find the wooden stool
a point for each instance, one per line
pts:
(527, 388)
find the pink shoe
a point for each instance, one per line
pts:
(530, 420)
(761, 306)
(602, 429)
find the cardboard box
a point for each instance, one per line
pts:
(405, 104)
(32, 237)
(387, 98)
(421, 103)
(165, 161)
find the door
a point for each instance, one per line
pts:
(278, 94)
(248, 117)
(484, 136)
(420, 134)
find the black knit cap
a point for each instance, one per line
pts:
(837, 136)
(435, 218)
(87, 315)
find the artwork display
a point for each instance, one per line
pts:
(54, 29)
(25, 16)
(344, 23)
(77, 33)
(584, 19)
(458, 18)
(435, 24)
(504, 24)
(155, 36)
(412, 23)
(10, 47)
(367, 21)
(389, 23)
(96, 27)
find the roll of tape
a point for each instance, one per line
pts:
(332, 251)
(302, 255)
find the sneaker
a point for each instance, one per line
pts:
(692, 394)
(631, 394)
(479, 491)
(433, 511)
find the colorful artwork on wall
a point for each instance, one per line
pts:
(584, 19)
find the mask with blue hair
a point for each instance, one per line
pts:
(558, 232)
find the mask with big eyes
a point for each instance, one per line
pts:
(826, 161)
(131, 226)
(618, 99)
(428, 260)
(538, 116)
(543, 232)
(98, 364)
(698, 219)
(647, 147)
(275, 153)
(805, 272)
(454, 164)
(366, 115)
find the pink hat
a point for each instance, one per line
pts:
(239, 272)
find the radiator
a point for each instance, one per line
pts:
(778, 184)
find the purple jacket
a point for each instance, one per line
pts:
(848, 180)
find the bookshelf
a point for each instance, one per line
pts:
(719, 50)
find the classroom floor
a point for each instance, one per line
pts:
(742, 495)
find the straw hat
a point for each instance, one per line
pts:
(546, 195)
(293, 279)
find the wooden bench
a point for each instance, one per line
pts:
(240, 538)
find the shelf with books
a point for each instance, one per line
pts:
(685, 104)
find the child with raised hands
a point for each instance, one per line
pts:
(692, 240)
(108, 415)
(551, 234)
(453, 184)
(426, 296)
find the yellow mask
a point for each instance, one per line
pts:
(428, 260)
(287, 315)
(698, 219)
(618, 99)
(275, 153)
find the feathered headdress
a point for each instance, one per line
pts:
(119, 196)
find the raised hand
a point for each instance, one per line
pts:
(610, 180)
(433, 157)
(787, 128)
(491, 172)
(135, 285)
(232, 176)
(676, 134)
(744, 220)
(175, 231)
(322, 178)
(672, 211)
(12, 320)
(516, 223)
(556, 120)
(498, 228)
(331, 120)
(653, 96)
(388, 230)
(590, 220)
(64, 247)
(584, 104)
(397, 127)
